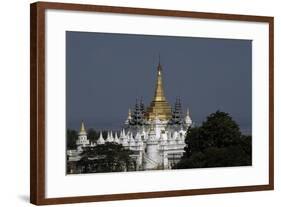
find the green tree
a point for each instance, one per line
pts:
(71, 139)
(217, 143)
(109, 157)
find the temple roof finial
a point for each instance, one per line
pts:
(82, 129)
(159, 67)
(101, 137)
(159, 102)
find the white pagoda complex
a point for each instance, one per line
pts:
(155, 134)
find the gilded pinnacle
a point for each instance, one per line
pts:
(159, 105)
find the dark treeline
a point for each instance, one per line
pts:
(109, 157)
(218, 142)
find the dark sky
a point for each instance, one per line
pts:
(105, 73)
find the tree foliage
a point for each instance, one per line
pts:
(108, 157)
(217, 143)
(71, 139)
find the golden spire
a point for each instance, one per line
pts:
(159, 91)
(159, 107)
(129, 114)
(129, 118)
(82, 129)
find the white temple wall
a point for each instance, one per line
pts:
(153, 154)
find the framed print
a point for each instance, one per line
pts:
(130, 103)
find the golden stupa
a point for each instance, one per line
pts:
(159, 107)
(82, 128)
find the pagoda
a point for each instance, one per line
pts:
(159, 107)
(155, 134)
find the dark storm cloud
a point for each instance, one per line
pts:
(105, 73)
